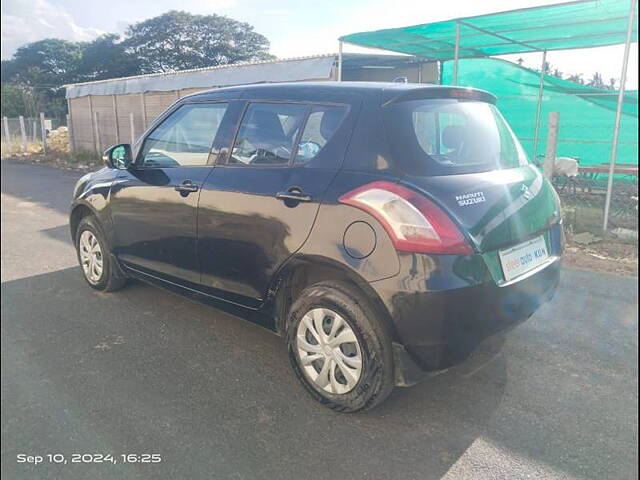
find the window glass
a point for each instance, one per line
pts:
(442, 137)
(267, 134)
(185, 138)
(322, 123)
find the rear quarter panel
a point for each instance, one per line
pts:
(326, 238)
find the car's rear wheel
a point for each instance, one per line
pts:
(97, 264)
(339, 347)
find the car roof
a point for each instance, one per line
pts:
(330, 91)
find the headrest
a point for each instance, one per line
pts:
(452, 136)
(330, 121)
(266, 125)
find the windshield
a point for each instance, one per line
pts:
(450, 136)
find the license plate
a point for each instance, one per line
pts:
(523, 258)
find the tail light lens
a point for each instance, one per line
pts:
(414, 223)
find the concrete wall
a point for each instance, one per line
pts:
(112, 124)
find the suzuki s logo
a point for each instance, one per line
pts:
(526, 193)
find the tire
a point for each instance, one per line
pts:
(110, 277)
(339, 303)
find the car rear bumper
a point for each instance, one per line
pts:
(436, 329)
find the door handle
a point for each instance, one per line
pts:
(186, 187)
(293, 195)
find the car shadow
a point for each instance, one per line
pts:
(60, 233)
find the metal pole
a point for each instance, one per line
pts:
(115, 117)
(616, 128)
(132, 128)
(23, 133)
(69, 133)
(339, 60)
(552, 145)
(43, 133)
(7, 135)
(70, 130)
(97, 131)
(456, 56)
(536, 131)
(144, 111)
(92, 119)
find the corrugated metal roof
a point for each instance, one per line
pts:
(315, 67)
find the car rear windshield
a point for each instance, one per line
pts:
(451, 136)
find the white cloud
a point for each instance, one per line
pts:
(32, 20)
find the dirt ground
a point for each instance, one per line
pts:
(583, 214)
(609, 255)
(81, 162)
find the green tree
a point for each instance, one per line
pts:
(47, 63)
(576, 78)
(597, 81)
(12, 101)
(21, 100)
(32, 80)
(179, 40)
(106, 57)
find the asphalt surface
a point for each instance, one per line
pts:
(146, 371)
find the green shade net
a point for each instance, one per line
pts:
(587, 115)
(590, 23)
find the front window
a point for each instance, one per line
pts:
(184, 139)
(449, 136)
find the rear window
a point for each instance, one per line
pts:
(449, 136)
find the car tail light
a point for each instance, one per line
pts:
(414, 223)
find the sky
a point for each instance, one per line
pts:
(294, 28)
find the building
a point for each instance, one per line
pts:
(107, 112)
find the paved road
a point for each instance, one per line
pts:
(145, 371)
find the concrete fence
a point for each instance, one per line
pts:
(99, 121)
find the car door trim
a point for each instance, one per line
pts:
(139, 272)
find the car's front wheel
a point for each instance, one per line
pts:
(97, 264)
(339, 347)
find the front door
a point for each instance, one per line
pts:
(154, 203)
(258, 207)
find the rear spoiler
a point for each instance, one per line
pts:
(392, 96)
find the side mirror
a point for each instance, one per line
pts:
(118, 156)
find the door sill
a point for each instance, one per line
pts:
(155, 278)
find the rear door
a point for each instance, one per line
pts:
(259, 204)
(154, 203)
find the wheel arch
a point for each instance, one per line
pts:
(303, 271)
(78, 212)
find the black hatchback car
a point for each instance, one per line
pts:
(384, 229)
